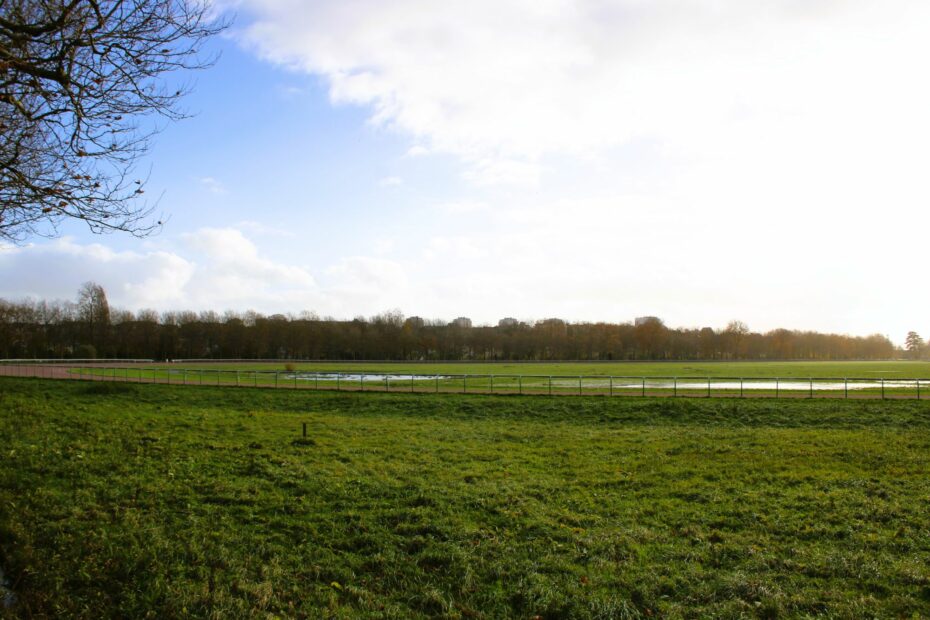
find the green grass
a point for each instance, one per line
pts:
(562, 378)
(120, 500)
(874, 369)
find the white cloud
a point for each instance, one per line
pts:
(506, 84)
(214, 186)
(210, 269)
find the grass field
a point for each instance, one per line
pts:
(872, 369)
(762, 379)
(125, 500)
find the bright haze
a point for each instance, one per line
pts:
(699, 161)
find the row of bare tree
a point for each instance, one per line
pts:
(89, 328)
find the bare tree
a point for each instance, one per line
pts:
(82, 84)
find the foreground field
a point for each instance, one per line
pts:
(125, 500)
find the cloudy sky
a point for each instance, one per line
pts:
(698, 160)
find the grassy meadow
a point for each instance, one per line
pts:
(127, 500)
(698, 379)
(787, 370)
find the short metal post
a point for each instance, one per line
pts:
(675, 387)
(846, 387)
(611, 385)
(338, 376)
(464, 383)
(883, 388)
(411, 383)
(918, 389)
(741, 387)
(437, 384)
(387, 383)
(811, 393)
(184, 376)
(550, 385)
(295, 380)
(305, 430)
(254, 378)
(644, 386)
(491, 383)
(776, 387)
(361, 382)
(520, 385)
(708, 387)
(579, 385)
(276, 379)
(237, 378)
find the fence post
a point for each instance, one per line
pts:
(579, 385)
(361, 382)
(338, 375)
(254, 378)
(644, 386)
(883, 388)
(437, 384)
(550, 385)
(708, 387)
(491, 383)
(740, 387)
(411, 383)
(184, 376)
(276, 379)
(776, 388)
(675, 387)
(464, 383)
(611, 384)
(918, 389)
(237, 378)
(846, 387)
(811, 393)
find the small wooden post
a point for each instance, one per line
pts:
(305, 430)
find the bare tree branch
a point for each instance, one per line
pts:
(78, 81)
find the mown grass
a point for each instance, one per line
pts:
(121, 500)
(786, 370)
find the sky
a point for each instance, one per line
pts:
(697, 160)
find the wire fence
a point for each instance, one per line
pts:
(524, 384)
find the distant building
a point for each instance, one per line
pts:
(462, 322)
(508, 322)
(415, 322)
(642, 320)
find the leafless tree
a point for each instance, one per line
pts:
(82, 86)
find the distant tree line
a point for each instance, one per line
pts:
(89, 328)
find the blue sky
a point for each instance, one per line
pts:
(697, 160)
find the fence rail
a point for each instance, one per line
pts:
(552, 385)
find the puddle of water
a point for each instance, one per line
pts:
(359, 377)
